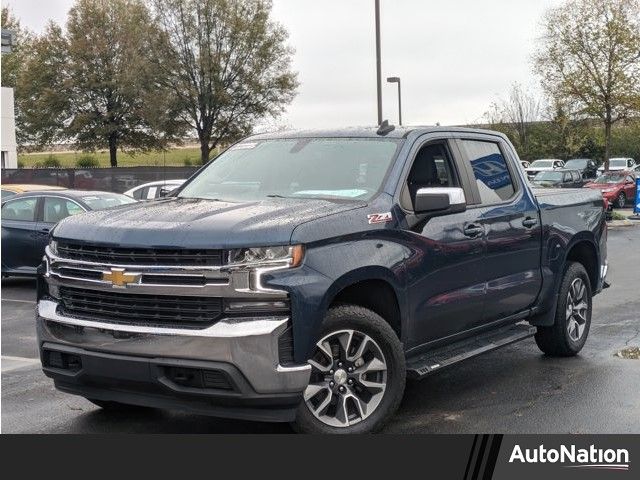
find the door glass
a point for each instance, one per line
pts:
(23, 209)
(55, 209)
(431, 168)
(490, 169)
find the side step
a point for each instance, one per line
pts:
(422, 364)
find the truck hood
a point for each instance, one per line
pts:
(197, 223)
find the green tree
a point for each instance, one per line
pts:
(12, 62)
(589, 57)
(96, 82)
(227, 63)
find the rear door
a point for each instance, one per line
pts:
(509, 216)
(18, 234)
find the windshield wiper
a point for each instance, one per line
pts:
(275, 195)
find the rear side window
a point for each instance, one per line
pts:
(490, 169)
(23, 209)
(56, 209)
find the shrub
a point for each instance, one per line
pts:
(51, 162)
(87, 161)
(187, 162)
(21, 164)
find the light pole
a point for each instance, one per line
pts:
(378, 62)
(397, 80)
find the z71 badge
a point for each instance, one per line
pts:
(379, 218)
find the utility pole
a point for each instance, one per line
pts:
(378, 62)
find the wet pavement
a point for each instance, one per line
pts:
(512, 390)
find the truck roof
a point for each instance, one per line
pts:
(366, 132)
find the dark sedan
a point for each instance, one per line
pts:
(27, 219)
(587, 167)
(558, 179)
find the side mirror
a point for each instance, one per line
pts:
(441, 201)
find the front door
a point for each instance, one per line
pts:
(18, 235)
(446, 264)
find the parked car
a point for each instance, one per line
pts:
(617, 164)
(588, 168)
(9, 189)
(27, 219)
(617, 187)
(152, 190)
(543, 166)
(559, 179)
(304, 276)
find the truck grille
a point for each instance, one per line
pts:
(140, 256)
(145, 310)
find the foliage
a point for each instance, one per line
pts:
(95, 83)
(87, 161)
(51, 161)
(12, 62)
(227, 64)
(589, 60)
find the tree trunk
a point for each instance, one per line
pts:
(113, 150)
(204, 151)
(607, 144)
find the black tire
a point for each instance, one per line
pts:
(110, 406)
(621, 201)
(556, 340)
(351, 317)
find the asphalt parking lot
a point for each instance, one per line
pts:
(513, 390)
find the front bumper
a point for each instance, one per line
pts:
(137, 364)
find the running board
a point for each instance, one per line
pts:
(423, 364)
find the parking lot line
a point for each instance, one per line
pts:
(18, 301)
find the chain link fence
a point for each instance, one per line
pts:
(119, 179)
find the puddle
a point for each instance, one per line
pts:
(631, 353)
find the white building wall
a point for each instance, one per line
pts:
(8, 130)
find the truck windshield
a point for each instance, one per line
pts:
(542, 164)
(331, 168)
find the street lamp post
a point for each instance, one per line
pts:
(397, 80)
(378, 62)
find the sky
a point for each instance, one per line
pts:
(454, 57)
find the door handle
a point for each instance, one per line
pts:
(530, 222)
(473, 230)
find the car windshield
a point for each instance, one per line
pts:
(330, 168)
(577, 163)
(102, 201)
(618, 162)
(610, 178)
(542, 163)
(548, 176)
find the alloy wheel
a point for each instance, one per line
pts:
(577, 309)
(348, 378)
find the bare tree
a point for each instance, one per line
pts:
(589, 57)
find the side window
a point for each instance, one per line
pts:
(566, 177)
(576, 176)
(55, 209)
(432, 168)
(23, 209)
(491, 171)
(140, 193)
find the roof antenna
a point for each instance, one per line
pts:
(385, 128)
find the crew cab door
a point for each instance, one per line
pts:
(508, 214)
(445, 267)
(18, 234)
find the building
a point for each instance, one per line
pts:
(8, 130)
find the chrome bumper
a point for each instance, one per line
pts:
(249, 344)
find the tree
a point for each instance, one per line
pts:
(12, 62)
(227, 64)
(589, 57)
(96, 83)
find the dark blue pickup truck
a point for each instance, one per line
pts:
(305, 276)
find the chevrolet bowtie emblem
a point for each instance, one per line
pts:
(120, 278)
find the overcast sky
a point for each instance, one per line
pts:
(454, 57)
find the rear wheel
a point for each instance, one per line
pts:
(621, 201)
(358, 374)
(568, 334)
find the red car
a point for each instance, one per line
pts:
(616, 187)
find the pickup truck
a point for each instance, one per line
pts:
(304, 277)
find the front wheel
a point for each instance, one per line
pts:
(568, 334)
(358, 374)
(621, 201)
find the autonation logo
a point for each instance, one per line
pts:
(592, 457)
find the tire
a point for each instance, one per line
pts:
(110, 406)
(568, 334)
(361, 407)
(621, 201)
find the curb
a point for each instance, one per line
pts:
(616, 224)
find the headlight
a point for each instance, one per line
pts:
(607, 190)
(53, 247)
(290, 256)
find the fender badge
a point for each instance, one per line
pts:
(376, 218)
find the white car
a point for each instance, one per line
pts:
(152, 190)
(544, 165)
(620, 164)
